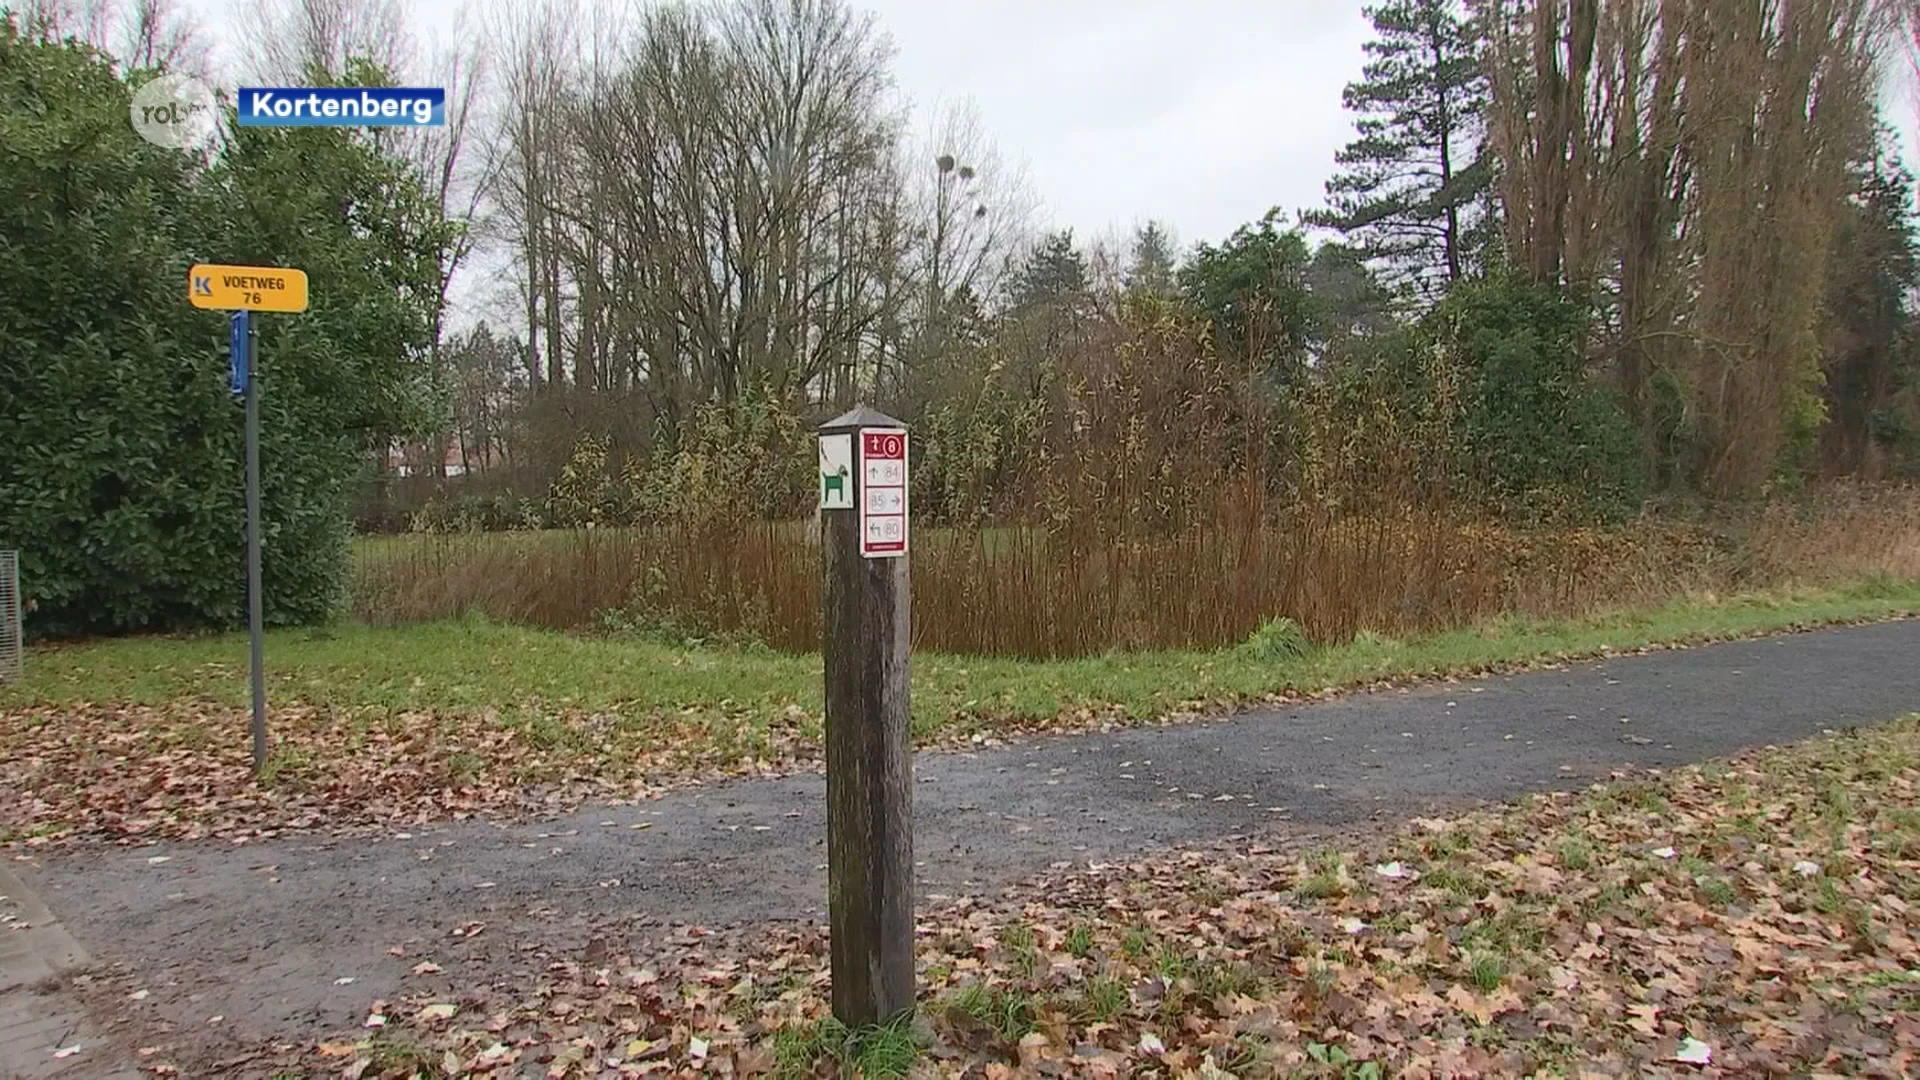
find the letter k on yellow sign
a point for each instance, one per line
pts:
(246, 288)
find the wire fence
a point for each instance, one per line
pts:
(12, 639)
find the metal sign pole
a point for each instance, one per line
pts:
(246, 340)
(244, 290)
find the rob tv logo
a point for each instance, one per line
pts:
(176, 111)
(181, 112)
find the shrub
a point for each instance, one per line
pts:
(1483, 400)
(587, 492)
(749, 458)
(497, 512)
(1276, 640)
(1539, 436)
(120, 482)
(120, 476)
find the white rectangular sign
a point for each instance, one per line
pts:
(883, 484)
(836, 472)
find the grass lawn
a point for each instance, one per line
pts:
(1742, 918)
(471, 664)
(477, 712)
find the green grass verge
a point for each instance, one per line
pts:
(470, 665)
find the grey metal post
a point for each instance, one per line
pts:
(13, 634)
(866, 609)
(19, 619)
(255, 605)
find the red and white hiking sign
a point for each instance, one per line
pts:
(883, 492)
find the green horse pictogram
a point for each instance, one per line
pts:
(833, 484)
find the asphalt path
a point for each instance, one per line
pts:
(261, 934)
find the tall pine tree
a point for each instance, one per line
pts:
(1409, 191)
(1054, 274)
(1152, 261)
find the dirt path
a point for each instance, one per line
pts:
(259, 935)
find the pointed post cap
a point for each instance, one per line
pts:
(861, 417)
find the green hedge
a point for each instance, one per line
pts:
(120, 443)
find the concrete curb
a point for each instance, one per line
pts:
(34, 947)
(43, 949)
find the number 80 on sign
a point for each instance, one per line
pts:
(883, 502)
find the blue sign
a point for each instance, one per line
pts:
(237, 352)
(342, 106)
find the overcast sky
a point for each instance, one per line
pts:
(1200, 113)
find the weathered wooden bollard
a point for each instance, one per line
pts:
(865, 596)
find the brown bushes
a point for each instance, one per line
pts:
(1139, 491)
(1033, 591)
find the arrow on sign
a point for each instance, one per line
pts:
(203, 286)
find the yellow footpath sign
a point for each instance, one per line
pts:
(248, 288)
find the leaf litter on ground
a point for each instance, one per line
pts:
(1532, 939)
(181, 770)
(139, 773)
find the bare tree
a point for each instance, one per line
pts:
(535, 49)
(728, 212)
(977, 208)
(710, 203)
(812, 129)
(136, 33)
(1541, 56)
(157, 34)
(292, 38)
(455, 177)
(90, 21)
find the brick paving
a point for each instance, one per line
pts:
(36, 1019)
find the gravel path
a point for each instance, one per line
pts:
(259, 934)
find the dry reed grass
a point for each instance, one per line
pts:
(1035, 592)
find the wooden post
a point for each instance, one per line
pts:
(869, 737)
